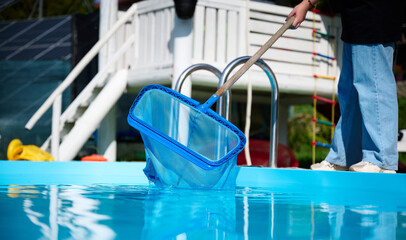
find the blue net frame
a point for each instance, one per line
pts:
(185, 147)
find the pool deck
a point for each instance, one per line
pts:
(130, 173)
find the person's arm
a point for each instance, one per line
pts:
(300, 11)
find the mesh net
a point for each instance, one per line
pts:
(184, 146)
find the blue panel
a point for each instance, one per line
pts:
(309, 180)
(26, 32)
(27, 54)
(26, 173)
(15, 29)
(5, 53)
(57, 53)
(57, 34)
(82, 173)
(3, 25)
(33, 33)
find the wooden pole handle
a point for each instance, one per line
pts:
(255, 57)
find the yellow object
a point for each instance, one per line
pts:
(15, 191)
(17, 151)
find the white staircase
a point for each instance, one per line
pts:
(72, 128)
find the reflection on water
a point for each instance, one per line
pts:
(142, 212)
(51, 209)
(183, 214)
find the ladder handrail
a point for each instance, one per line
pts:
(79, 67)
(273, 151)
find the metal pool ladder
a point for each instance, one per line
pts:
(222, 107)
(274, 103)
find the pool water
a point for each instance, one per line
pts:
(107, 211)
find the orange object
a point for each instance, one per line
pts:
(94, 158)
(325, 77)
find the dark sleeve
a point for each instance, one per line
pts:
(371, 21)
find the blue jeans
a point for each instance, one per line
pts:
(368, 127)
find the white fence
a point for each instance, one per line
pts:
(224, 30)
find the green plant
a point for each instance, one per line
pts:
(301, 135)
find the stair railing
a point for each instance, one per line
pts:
(55, 98)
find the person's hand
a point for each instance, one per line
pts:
(299, 12)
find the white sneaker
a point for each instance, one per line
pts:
(328, 166)
(365, 166)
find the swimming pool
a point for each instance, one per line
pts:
(83, 200)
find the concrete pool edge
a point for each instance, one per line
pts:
(87, 173)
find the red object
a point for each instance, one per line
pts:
(94, 158)
(323, 13)
(324, 99)
(259, 151)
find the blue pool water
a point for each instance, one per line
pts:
(114, 211)
(85, 200)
